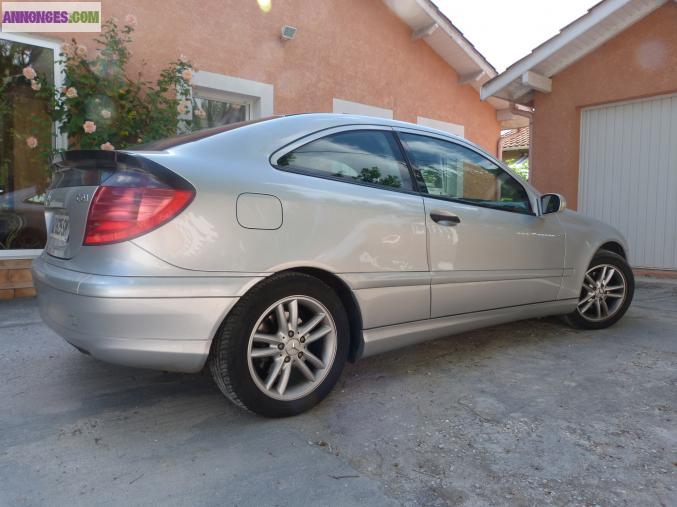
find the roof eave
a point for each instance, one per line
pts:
(518, 81)
(428, 22)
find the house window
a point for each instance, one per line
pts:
(348, 107)
(228, 99)
(444, 126)
(219, 108)
(24, 121)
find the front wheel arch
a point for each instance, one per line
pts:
(603, 256)
(614, 247)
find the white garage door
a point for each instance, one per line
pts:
(628, 175)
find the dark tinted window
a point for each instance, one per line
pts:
(368, 156)
(450, 170)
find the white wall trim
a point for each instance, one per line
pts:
(20, 254)
(445, 126)
(630, 101)
(348, 107)
(261, 94)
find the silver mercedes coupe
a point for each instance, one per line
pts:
(274, 251)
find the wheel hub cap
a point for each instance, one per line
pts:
(293, 347)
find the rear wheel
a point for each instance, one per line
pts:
(283, 347)
(608, 289)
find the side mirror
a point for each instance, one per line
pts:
(553, 203)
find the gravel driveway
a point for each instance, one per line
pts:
(531, 413)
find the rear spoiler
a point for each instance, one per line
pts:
(107, 163)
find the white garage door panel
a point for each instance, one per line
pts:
(628, 175)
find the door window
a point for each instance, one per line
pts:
(366, 156)
(449, 170)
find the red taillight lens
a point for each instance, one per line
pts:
(122, 213)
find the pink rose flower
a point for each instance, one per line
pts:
(31, 142)
(187, 74)
(67, 49)
(89, 127)
(182, 108)
(105, 113)
(29, 73)
(36, 85)
(200, 113)
(107, 146)
(81, 50)
(71, 93)
(130, 20)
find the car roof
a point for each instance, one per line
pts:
(338, 119)
(301, 123)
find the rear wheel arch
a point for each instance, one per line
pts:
(344, 293)
(349, 302)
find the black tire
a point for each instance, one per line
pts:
(575, 319)
(228, 361)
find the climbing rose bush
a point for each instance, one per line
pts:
(101, 107)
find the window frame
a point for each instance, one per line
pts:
(259, 95)
(457, 142)
(277, 155)
(60, 140)
(200, 92)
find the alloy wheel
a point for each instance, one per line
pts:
(292, 348)
(603, 293)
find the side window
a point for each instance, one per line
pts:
(369, 156)
(450, 170)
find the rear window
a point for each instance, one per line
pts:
(172, 142)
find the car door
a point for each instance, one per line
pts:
(487, 246)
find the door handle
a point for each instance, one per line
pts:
(445, 218)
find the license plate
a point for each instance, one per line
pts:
(60, 228)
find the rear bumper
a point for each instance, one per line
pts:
(164, 323)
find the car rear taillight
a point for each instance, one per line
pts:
(121, 211)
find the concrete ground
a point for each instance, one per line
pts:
(531, 413)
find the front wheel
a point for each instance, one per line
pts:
(283, 347)
(608, 289)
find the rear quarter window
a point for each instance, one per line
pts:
(360, 156)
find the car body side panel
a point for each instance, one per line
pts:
(343, 227)
(387, 298)
(584, 236)
(492, 259)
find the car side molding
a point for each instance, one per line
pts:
(386, 338)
